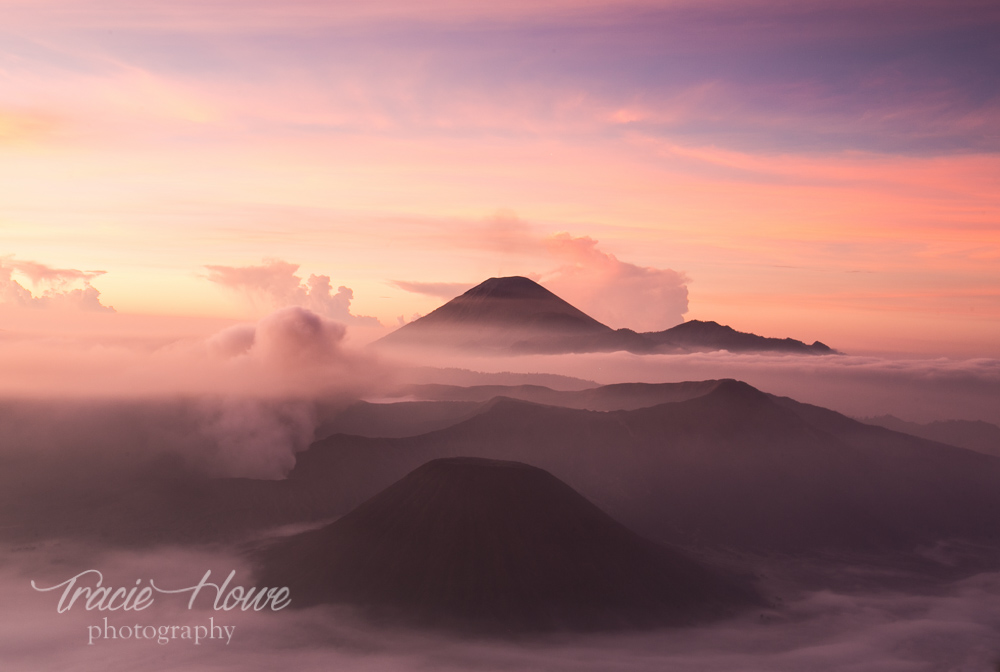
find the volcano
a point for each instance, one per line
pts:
(508, 314)
(497, 547)
(732, 467)
(516, 315)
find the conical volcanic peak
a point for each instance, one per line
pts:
(511, 287)
(496, 547)
(513, 302)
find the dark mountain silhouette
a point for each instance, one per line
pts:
(732, 468)
(502, 301)
(397, 419)
(517, 315)
(735, 467)
(441, 406)
(505, 313)
(496, 547)
(614, 397)
(699, 335)
(423, 375)
(983, 437)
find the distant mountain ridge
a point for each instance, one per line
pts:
(983, 437)
(734, 467)
(516, 315)
(706, 464)
(436, 406)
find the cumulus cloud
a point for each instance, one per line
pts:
(505, 232)
(291, 352)
(275, 285)
(291, 336)
(60, 288)
(241, 402)
(616, 292)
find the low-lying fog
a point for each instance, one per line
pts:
(957, 628)
(295, 353)
(861, 386)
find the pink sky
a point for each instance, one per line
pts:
(816, 172)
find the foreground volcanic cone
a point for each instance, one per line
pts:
(496, 547)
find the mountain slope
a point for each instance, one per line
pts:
(441, 406)
(503, 313)
(699, 335)
(614, 397)
(975, 435)
(516, 315)
(496, 546)
(734, 467)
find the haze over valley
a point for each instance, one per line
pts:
(570, 335)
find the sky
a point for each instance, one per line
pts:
(818, 170)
